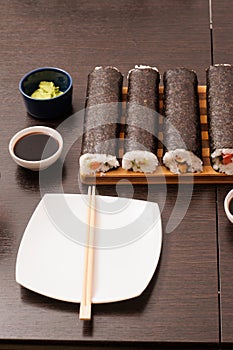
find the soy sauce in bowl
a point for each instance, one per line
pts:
(231, 206)
(36, 146)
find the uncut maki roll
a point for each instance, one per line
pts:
(182, 132)
(101, 121)
(141, 127)
(220, 116)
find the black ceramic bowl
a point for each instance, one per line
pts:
(50, 108)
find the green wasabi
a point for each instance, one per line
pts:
(46, 89)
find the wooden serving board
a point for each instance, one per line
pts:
(162, 174)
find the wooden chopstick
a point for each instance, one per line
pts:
(85, 305)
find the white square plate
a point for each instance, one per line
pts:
(128, 240)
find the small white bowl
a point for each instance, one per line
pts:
(40, 164)
(227, 200)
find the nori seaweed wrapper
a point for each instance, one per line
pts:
(181, 111)
(141, 127)
(219, 80)
(102, 111)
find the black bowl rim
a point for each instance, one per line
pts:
(44, 69)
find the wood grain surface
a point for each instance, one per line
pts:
(179, 309)
(225, 241)
(223, 50)
(222, 35)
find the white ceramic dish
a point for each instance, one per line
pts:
(128, 239)
(227, 200)
(41, 164)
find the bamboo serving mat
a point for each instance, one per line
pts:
(162, 174)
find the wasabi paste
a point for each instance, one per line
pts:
(46, 89)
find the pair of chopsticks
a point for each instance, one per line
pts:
(85, 305)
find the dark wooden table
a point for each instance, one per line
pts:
(223, 50)
(182, 306)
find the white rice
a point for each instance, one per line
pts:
(91, 164)
(181, 161)
(101, 67)
(140, 161)
(141, 66)
(217, 161)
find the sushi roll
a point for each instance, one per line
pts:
(101, 121)
(181, 131)
(220, 116)
(141, 127)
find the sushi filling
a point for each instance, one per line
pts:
(140, 161)
(91, 164)
(181, 161)
(223, 160)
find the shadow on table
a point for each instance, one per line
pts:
(43, 302)
(6, 239)
(34, 180)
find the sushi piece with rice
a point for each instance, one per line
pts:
(141, 126)
(219, 81)
(181, 130)
(101, 134)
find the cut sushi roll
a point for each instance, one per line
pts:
(222, 160)
(141, 127)
(220, 116)
(93, 163)
(140, 161)
(181, 132)
(101, 121)
(181, 161)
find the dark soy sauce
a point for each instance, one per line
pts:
(231, 206)
(35, 146)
